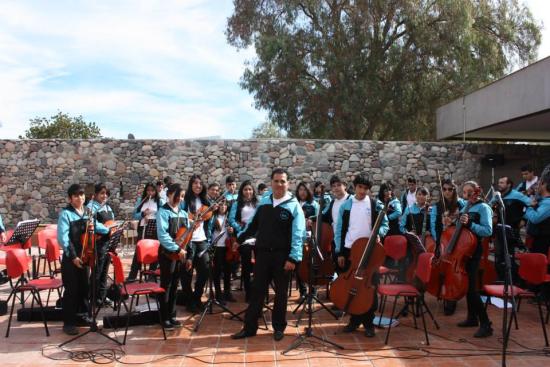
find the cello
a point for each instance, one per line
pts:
(449, 279)
(321, 262)
(353, 291)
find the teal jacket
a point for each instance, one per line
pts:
(168, 224)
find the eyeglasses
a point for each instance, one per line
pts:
(448, 189)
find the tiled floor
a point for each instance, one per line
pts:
(450, 346)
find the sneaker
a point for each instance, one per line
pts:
(167, 325)
(369, 331)
(278, 335)
(175, 323)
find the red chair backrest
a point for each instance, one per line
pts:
(533, 267)
(395, 247)
(17, 262)
(52, 250)
(424, 266)
(147, 251)
(44, 235)
(117, 269)
(51, 226)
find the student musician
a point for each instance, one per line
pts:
(394, 207)
(240, 214)
(262, 189)
(213, 192)
(538, 216)
(528, 185)
(72, 224)
(408, 198)
(230, 190)
(3, 237)
(170, 218)
(103, 213)
(318, 192)
(194, 202)
(310, 208)
(412, 219)
(479, 220)
(339, 197)
(220, 225)
(146, 209)
(443, 214)
(356, 218)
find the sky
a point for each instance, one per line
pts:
(156, 69)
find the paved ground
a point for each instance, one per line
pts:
(450, 346)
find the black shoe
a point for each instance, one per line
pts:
(84, 321)
(70, 330)
(349, 328)
(369, 331)
(278, 335)
(167, 325)
(449, 308)
(175, 323)
(468, 323)
(242, 334)
(484, 331)
(229, 297)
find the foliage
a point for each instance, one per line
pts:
(61, 126)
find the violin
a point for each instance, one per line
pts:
(353, 291)
(232, 248)
(318, 269)
(87, 240)
(448, 279)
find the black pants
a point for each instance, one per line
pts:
(512, 236)
(101, 271)
(269, 266)
(201, 260)
(76, 293)
(169, 276)
(476, 309)
(246, 268)
(221, 266)
(134, 268)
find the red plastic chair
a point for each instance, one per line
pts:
(532, 269)
(53, 256)
(43, 237)
(17, 265)
(133, 290)
(412, 295)
(396, 249)
(51, 226)
(147, 254)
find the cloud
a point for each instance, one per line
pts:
(155, 67)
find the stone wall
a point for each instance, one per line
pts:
(35, 174)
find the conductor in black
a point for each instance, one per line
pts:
(279, 227)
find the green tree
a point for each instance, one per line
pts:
(375, 69)
(61, 126)
(267, 130)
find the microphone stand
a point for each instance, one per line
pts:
(508, 285)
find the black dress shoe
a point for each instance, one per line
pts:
(70, 330)
(468, 323)
(484, 331)
(242, 334)
(349, 328)
(369, 331)
(175, 322)
(167, 325)
(278, 335)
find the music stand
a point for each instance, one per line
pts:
(115, 238)
(150, 230)
(23, 231)
(94, 328)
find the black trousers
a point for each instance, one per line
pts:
(476, 309)
(134, 268)
(269, 266)
(201, 266)
(101, 271)
(169, 277)
(512, 236)
(221, 266)
(76, 293)
(246, 267)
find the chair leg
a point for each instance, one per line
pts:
(515, 315)
(422, 306)
(160, 318)
(36, 295)
(410, 301)
(128, 320)
(391, 320)
(542, 324)
(11, 312)
(148, 302)
(382, 308)
(519, 304)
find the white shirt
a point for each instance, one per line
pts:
(152, 206)
(360, 220)
(198, 234)
(336, 210)
(285, 197)
(411, 198)
(247, 211)
(162, 194)
(220, 218)
(528, 184)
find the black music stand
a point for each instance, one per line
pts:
(212, 301)
(150, 230)
(114, 240)
(23, 231)
(92, 312)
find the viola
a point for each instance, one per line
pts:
(353, 291)
(448, 279)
